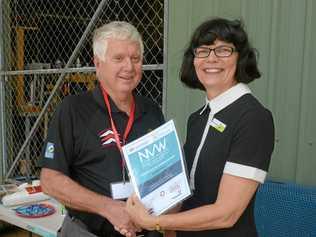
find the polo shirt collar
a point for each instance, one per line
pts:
(98, 96)
(226, 98)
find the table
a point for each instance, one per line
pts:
(43, 226)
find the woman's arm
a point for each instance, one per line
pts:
(172, 233)
(234, 196)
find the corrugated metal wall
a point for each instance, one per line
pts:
(284, 32)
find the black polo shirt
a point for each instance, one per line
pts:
(239, 141)
(81, 144)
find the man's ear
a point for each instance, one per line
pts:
(96, 61)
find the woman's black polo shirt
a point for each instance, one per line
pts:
(81, 145)
(239, 142)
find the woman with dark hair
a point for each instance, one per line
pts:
(229, 140)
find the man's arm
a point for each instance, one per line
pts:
(75, 196)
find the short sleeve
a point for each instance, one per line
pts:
(252, 146)
(59, 145)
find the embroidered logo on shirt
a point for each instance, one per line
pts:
(107, 137)
(218, 125)
(49, 151)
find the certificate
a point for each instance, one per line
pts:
(157, 169)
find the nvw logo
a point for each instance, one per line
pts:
(150, 152)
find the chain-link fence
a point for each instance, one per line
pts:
(47, 55)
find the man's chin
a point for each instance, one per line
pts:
(127, 85)
(126, 89)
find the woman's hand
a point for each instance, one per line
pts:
(139, 214)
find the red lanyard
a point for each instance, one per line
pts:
(127, 129)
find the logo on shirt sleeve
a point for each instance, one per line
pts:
(49, 151)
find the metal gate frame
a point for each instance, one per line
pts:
(5, 172)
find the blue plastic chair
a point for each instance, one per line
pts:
(285, 210)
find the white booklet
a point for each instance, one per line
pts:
(157, 169)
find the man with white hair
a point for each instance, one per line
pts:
(82, 165)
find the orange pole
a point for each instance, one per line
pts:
(20, 99)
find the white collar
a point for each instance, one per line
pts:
(226, 98)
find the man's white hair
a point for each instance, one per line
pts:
(120, 30)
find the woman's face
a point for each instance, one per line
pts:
(216, 73)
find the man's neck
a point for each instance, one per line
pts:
(122, 101)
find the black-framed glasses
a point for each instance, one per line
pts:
(220, 51)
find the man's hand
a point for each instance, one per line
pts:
(139, 214)
(75, 196)
(116, 213)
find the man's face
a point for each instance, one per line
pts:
(121, 70)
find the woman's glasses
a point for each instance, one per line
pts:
(220, 51)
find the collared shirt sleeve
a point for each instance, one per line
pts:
(252, 146)
(59, 144)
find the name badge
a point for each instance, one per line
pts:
(218, 125)
(121, 190)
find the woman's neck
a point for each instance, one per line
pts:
(216, 91)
